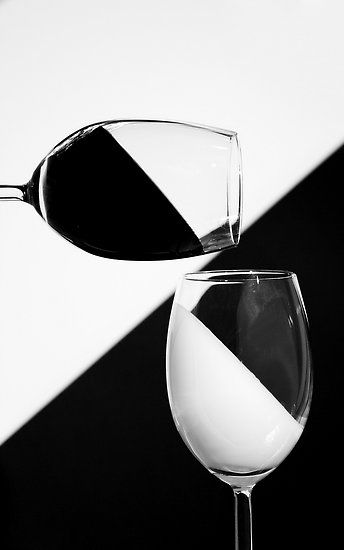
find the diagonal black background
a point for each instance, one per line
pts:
(103, 467)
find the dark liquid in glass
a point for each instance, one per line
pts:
(95, 195)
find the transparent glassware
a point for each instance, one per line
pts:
(239, 376)
(140, 189)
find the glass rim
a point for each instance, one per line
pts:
(234, 276)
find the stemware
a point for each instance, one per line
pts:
(239, 376)
(140, 189)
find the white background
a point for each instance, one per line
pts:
(271, 70)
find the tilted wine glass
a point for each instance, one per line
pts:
(239, 375)
(140, 189)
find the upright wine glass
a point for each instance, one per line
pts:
(140, 189)
(239, 376)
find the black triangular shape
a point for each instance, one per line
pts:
(99, 198)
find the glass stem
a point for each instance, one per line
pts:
(243, 519)
(13, 192)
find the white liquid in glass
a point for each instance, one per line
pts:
(224, 413)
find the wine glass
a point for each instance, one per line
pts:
(140, 189)
(239, 376)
